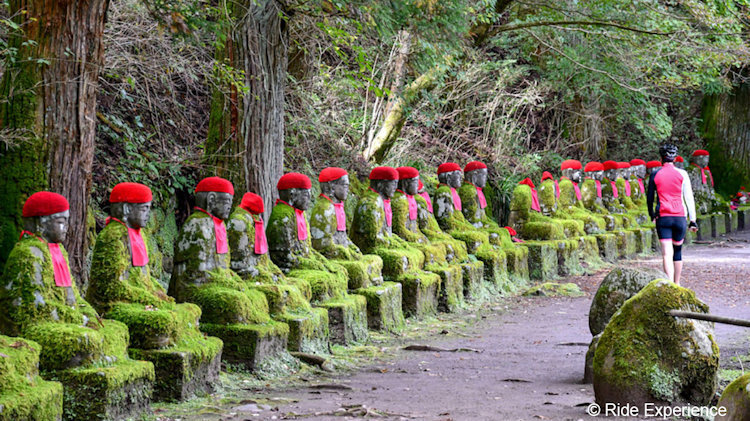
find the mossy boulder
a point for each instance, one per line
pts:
(23, 393)
(646, 355)
(552, 289)
(618, 286)
(736, 400)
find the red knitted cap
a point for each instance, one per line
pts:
(594, 166)
(623, 165)
(331, 174)
(294, 180)
(252, 203)
(44, 203)
(637, 161)
(474, 165)
(130, 193)
(572, 164)
(383, 173)
(547, 176)
(679, 159)
(527, 181)
(215, 184)
(448, 167)
(700, 152)
(653, 164)
(610, 165)
(407, 172)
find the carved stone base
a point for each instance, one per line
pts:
(542, 260)
(347, 319)
(607, 244)
(249, 345)
(384, 311)
(705, 228)
(451, 295)
(420, 293)
(518, 263)
(643, 238)
(117, 392)
(626, 247)
(308, 332)
(473, 273)
(181, 372)
(719, 224)
(568, 257)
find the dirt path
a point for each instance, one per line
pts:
(532, 359)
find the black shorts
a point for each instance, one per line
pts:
(671, 227)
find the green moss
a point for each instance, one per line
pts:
(23, 394)
(402, 225)
(451, 296)
(397, 262)
(323, 229)
(542, 260)
(229, 301)
(347, 319)
(547, 197)
(249, 344)
(308, 332)
(552, 289)
(420, 293)
(324, 285)
(248, 265)
(645, 352)
(542, 230)
(448, 218)
(521, 201)
(736, 398)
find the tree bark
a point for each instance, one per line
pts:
(50, 91)
(246, 132)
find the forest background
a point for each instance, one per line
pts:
(164, 92)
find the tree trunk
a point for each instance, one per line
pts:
(246, 132)
(50, 91)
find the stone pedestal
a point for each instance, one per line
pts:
(384, 311)
(249, 345)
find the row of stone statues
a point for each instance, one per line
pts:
(242, 291)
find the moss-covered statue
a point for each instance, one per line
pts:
(610, 192)
(121, 287)
(24, 395)
(233, 310)
(679, 162)
(288, 298)
(372, 231)
(706, 200)
(329, 231)
(493, 247)
(437, 255)
(290, 246)
(638, 173)
(41, 302)
(570, 201)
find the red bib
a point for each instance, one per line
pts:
(627, 188)
(220, 232)
(482, 199)
(301, 221)
(261, 243)
(60, 267)
(340, 214)
(138, 250)
(427, 199)
(456, 199)
(388, 212)
(640, 186)
(614, 189)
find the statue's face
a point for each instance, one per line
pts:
(219, 204)
(300, 198)
(386, 188)
(703, 160)
(573, 175)
(454, 178)
(680, 165)
(611, 174)
(639, 171)
(54, 228)
(341, 188)
(136, 215)
(596, 175)
(410, 185)
(477, 177)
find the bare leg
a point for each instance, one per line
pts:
(677, 271)
(666, 254)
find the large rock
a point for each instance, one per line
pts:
(645, 355)
(736, 400)
(619, 285)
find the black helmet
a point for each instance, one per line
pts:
(668, 152)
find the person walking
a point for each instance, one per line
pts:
(673, 208)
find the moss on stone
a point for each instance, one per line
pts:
(23, 393)
(420, 293)
(384, 312)
(646, 355)
(347, 319)
(736, 399)
(308, 332)
(552, 289)
(547, 197)
(249, 344)
(542, 260)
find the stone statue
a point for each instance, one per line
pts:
(41, 302)
(679, 162)
(437, 255)
(234, 311)
(570, 202)
(638, 167)
(702, 179)
(288, 298)
(610, 193)
(121, 288)
(651, 166)
(291, 249)
(372, 231)
(329, 231)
